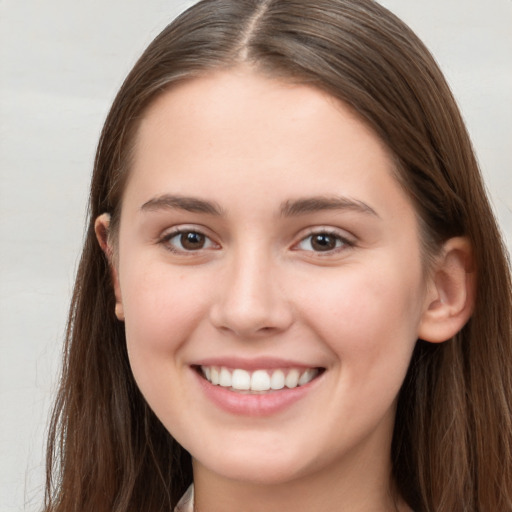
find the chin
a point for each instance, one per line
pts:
(258, 467)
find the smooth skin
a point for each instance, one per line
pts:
(264, 219)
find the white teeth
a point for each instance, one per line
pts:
(307, 376)
(259, 380)
(241, 380)
(225, 379)
(277, 380)
(292, 379)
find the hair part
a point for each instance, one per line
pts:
(452, 445)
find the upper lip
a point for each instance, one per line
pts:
(258, 363)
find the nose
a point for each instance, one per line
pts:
(251, 299)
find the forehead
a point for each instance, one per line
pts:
(240, 131)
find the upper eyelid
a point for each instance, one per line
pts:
(164, 242)
(174, 231)
(340, 233)
(329, 230)
(348, 240)
(185, 228)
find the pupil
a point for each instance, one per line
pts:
(323, 242)
(192, 240)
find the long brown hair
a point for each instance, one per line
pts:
(452, 445)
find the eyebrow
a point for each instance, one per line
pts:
(321, 203)
(189, 204)
(290, 208)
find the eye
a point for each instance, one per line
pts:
(323, 241)
(187, 241)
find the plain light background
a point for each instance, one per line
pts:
(61, 64)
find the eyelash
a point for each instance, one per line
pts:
(166, 240)
(341, 242)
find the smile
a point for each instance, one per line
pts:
(240, 380)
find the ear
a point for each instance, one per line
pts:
(102, 229)
(451, 292)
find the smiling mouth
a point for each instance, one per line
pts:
(258, 381)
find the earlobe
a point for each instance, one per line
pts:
(101, 228)
(451, 294)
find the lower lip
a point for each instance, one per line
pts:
(246, 404)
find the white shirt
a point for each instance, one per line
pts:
(186, 504)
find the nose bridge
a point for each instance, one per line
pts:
(252, 299)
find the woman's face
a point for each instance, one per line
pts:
(265, 242)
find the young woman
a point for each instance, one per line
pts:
(293, 293)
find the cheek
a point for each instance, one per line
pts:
(368, 316)
(161, 309)
(369, 322)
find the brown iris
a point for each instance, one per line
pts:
(192, 240)
(323, 242)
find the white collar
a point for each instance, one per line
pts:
(186, 504)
